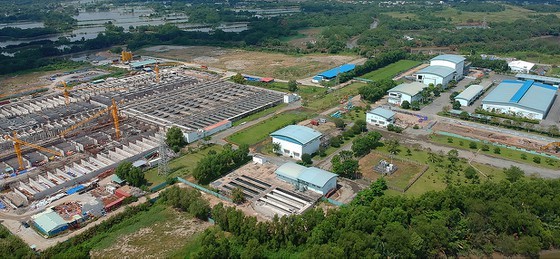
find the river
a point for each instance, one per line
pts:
(91, 23)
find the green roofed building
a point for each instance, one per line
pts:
(49, 223)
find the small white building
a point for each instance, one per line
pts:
(436, 75)
(469, 95)
(307, 178)
(297, 140)
(380, 117)
(406, 92)
(454, 62)
(520, 66)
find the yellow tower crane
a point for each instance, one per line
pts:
(126, 56)
(113, 109)
(17, 146)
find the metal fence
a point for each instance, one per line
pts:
(196, 186)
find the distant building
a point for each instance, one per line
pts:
(554, 81)
(436, 75)
(469, 95)
(455, 62)
(297, 140)
(380, 117)
(406, 92)
(49, 223)
(522, 98)
(521, 66)
(331, 74)
(307, 178)
(290, 98)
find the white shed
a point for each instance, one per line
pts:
(380, 117)
(405, 92)
(469, 95)
(297, 140)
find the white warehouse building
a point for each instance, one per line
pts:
(297, 140)
(469, 95)
(436, 75)
(520, 66)
(454, 62)
(307, 178)
(406, 92)
(521, 98)
(380, 117)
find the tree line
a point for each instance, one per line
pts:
(517, 216)
(214, 165)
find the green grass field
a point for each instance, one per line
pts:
(391, 70)
(152, 232)
(434, 178)
(321, 102)
(181, 166)
(259, 114)
(511, 14)
(505, 153)
(260, 131)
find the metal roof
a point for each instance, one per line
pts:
(335, 71)
(524, 94)
(470, 92)
(545, 79)
(451, 58)
(290, 170)
(387, 114)
(411, 89)
(312, 175)
(49, 221)
(296, 134)
(316, 176)
(438, 71)
(138, 64)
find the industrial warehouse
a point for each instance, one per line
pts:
(63, 145)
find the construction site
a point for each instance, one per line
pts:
(64, 142)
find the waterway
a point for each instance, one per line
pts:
(91, 23)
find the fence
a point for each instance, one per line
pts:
(414, 178)
(331, 201)
(158, 187)
(196, 186)
(496, 144)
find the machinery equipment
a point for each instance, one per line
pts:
(552, 146)
(17, 146)
(112, 109)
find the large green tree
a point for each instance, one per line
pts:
(131, 174)
(175, 139)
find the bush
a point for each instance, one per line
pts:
(523, 156)
(449, 140)
(485, 148)
(537, 159)
(472, 145)
(416, 126)
(497, 150)
(394, 128)
(405, 105)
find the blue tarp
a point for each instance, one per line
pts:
(75, 189)
(2, 206)
(335, 71)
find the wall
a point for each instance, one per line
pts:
(505, 109)
(376, 120)
(331, 184)
(291, 148)
(433, 79)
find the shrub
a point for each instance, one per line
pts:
(416, 126)
(537, 159)
(497, 150)
(405, 105)
(449, 140)
(472, 145)
(485, 148)
(523, 156)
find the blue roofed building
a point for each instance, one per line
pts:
(330, 74)
(521, 98)
(380, 117)
(307, 178)
(295, 140)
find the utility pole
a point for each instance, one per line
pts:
(163, 168)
